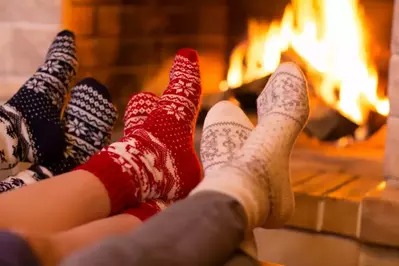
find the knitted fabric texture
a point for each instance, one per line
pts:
(89, 119)
(157, 160)
(30, 120)
(258, 175)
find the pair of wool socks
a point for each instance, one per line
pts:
(86, 128)
(258, 174)
(156, 158)
(89, 118)
(30, 120)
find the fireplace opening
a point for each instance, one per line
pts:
(344, 61)
(341, 45)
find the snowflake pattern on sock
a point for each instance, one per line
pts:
(258, 175)
(137, 110)
(220, 141)
(157, 160)
(31, 117)
(89, 118)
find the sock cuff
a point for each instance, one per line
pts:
(119, 186)
(236, 190)
(144, 211)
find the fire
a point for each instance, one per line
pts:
(329, 37)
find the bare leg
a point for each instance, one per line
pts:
(67, 242)
(50, 250)
(56, 204)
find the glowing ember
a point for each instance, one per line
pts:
(329, 36)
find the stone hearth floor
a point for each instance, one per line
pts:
(340, 192)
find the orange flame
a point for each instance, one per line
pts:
(328, 35)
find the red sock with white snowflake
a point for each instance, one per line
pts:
(157, 160)
(137, 110)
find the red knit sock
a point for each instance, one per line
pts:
(156, 160)
(138, 108)
(146, 210)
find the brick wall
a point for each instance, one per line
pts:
(391, 169)
(129, 45)
(27, 28)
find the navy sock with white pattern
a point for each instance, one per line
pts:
(89, 119)
(31, 119)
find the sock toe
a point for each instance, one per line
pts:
(91, 104)
(285, 93)
(226, 111)
(67, 33)
(96, 86)
(189, 53)
(89, 119)
(184, 89)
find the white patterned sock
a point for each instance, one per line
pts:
(226, 128)
(258, 176)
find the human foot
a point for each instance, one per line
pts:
(31, 118)
(137, 110)
(89, 118)
(157, 160)
(258, 176)
(226, 128)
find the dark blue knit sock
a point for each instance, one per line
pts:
(89, 120)
(31, 118)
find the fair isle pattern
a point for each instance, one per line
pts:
(226, 128)
(138, 108)
(32, 175)
(34, 111)
(283, 109)
(178, 103)
(158, 158)
(8, 140)
(148, 160)
(220, 141)
(89, 120)
(87, 101)
(64, 44)
(258, 176)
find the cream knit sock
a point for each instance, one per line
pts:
(258, 176)
(226, 128)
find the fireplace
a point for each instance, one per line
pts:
(344, 181)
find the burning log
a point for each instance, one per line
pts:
(247, 93)
(331, 126)
(325, 123)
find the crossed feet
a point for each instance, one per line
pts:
(33, 128)
(154, 163)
